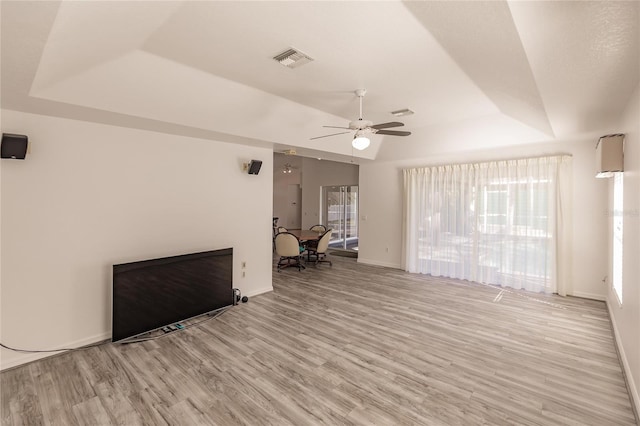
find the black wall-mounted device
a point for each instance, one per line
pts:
(254, 167)
(13, 146)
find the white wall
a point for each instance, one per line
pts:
(89, 195)
(281, 182)
(381, 202)
(626, 318)
(316, 174)
(380, 237)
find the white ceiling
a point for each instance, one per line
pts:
(477, 74)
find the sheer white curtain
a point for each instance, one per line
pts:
(502, 222)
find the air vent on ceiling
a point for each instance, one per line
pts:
(292, 58)
(402, 112)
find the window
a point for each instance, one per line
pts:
(618, 216)
(515, 214)
(498, 222)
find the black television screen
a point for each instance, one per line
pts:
(154, 293)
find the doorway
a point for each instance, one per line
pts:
(340, 213)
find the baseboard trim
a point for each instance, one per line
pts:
(258, 291)
(593, 296)
(26, 358)
(631, 385)
(379, 263)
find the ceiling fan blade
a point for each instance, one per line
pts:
(337, 127)
(326, 136)
(387, 125)
(392, 133)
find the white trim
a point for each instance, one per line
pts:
(34, 357)
(258, 291)
(585, 295)
(631, 385)
(28, 357)
(379, 263)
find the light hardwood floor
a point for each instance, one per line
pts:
(348, 344)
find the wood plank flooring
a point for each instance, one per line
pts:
(346, 345)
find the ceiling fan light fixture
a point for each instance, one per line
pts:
(287, 168)
(360, 142)
(365, 127)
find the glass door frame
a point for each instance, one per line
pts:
(344, 221)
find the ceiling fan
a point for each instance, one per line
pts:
(365, 127)
(288, 168)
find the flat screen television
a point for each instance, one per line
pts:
(151, 294)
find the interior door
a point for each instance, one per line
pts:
(294, 214)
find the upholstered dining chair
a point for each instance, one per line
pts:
(276, 231)
(318, 228)
(289, 250)
(318, 254)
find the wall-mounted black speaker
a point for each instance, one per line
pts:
(254, 167)
(13, 146)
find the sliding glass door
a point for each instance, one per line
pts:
(340, 213)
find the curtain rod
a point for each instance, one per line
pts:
(491, 161)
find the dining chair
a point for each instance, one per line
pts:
(321, 229)
(289, 249)
(318, 228)
(274, 230)
(318, 254)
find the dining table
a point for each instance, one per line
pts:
(305, 234)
